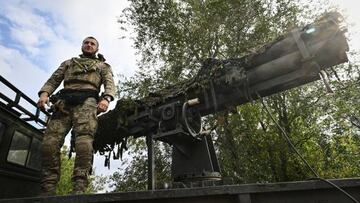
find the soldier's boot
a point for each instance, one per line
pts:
(48, 190)
(79, 186)
(83, 163)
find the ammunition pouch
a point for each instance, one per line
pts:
(74, 97)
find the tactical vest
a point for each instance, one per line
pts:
(84, 70)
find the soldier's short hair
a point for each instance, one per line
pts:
(91, 37)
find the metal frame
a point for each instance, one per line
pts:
(14, 106)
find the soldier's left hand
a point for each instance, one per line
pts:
(102, 106)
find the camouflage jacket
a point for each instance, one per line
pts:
(82, 73)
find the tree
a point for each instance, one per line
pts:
(135, 176)
(65, 186)
(96, 183)
(322, 127)
(174, 37)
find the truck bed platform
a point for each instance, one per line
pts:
(313, 191)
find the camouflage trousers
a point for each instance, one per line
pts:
(82, 119)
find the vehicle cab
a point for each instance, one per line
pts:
(21, 133)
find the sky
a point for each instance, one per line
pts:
(37, 35)
(350, 10)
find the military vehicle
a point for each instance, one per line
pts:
(21, 132)
(174, 116)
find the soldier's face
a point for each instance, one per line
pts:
(89, 46)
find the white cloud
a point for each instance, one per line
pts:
(21, 72)
(97, 19)
(45, 33)
(28, 39)
(69, 24)
(28, 29)
(22, 15)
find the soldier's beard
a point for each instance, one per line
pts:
(88, 55)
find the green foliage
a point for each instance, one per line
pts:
(134, 177)
(175, 37)
(324, 129)
(96, 183)
(65, 186)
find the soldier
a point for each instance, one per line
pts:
(77, 106)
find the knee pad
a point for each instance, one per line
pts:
(84, 152)
(84, 145)
(50, 149)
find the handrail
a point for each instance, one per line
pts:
(14, 106)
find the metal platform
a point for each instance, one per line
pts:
(287, 192)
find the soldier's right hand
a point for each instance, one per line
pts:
(44, 98)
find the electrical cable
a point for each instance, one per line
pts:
(284, 134)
